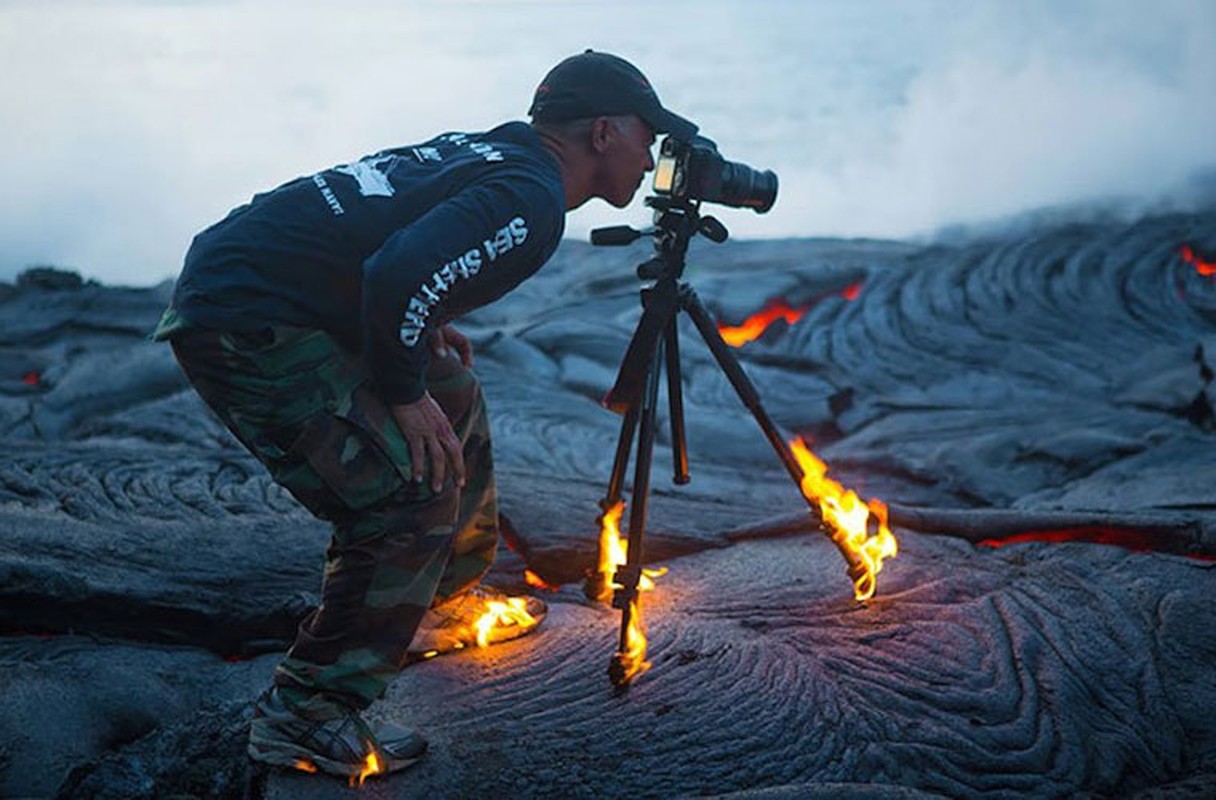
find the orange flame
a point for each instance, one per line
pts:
(614, 551)
(304, 766)
(513, 612)
(1205, 268)
(537, 582)
(633, 658)
(848, 519)
(757, 323)
(371, 766)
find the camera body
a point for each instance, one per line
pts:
(695, 170)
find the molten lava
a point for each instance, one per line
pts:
(1205, 268)
(614, 551)
(774, 309)
(1132, 539)
(851, 291)
(848, 519)
(758, 323)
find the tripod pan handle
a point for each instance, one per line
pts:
(616, 235)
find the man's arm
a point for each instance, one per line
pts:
(478, 236)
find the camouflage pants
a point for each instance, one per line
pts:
(306, 409)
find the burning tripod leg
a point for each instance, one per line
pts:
(839, 512)
(630, 657)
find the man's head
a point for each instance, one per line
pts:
(593, 84)
(604, 115)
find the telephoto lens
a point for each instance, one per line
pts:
(696, 170)
(741, 186)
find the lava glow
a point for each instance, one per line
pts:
(1132, 539)
(848, 519)
(1205, 268)
(758, 323)
(371, 766)
(851, 291)
(774, 309)
(304, 766)
(614, 550)
(513, 612)
(537, 582)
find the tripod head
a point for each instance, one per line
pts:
(676, 222)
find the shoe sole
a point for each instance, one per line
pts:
(290, 758)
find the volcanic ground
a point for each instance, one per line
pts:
(1048, 389)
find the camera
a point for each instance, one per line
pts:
(696, 170)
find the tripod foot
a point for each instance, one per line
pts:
(619, 672)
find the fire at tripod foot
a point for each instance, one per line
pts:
(618, 671)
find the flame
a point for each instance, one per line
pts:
(757, 323)
(513, 612)
(614, 551)
(304, 766)
(848, 519)
(537, 582)
(633, 658)
(371, 766)
(31, 379)
(1205, 268)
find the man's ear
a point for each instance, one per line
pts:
(601, 134)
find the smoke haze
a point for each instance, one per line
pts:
(129, 126)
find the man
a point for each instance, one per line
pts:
(314, 322)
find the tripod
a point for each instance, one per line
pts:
(655, 346)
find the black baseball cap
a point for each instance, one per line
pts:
(593, 84)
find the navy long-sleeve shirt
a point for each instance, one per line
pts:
(383, 250)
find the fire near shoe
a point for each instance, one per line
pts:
(481, 617)
(347, 746)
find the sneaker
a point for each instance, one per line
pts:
(346, 746)
(480, 617)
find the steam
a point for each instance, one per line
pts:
(989, 132)
(130, 126)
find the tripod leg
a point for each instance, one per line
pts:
(751, 398)
(675, 398)
(616, 481)
(738, 379)
(598, 585)
(629, 659)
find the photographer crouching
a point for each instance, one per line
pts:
(314, 321)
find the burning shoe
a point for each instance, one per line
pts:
(481, 617)
(347, 746)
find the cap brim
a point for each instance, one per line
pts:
(674, 125)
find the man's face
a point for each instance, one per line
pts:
(626, 159)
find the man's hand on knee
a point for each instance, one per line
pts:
(431, 440)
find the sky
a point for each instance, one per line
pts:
(130, 125)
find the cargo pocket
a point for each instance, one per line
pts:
(358, 452)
